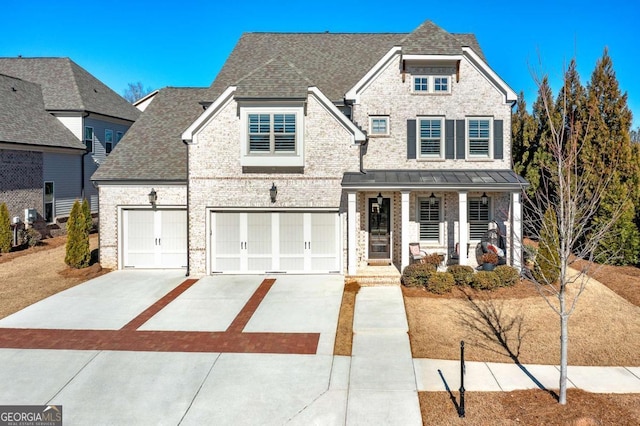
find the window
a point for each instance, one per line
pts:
(429, 218)
(272, 133)
(379, 126)
(430, 137)
(49, 212)
(108, 140)
(421, 84)
(479, 137)
(478, 218)
(118, 136)
(88, 138)
(441, 84)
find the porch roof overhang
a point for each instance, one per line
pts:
(453, 180)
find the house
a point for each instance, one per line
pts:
(317, 153)
(39, 157)
(96, 115)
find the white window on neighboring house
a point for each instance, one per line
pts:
(49, 205)
(430, 137)
(441, 84)
(119, 136)
(429, 217)
(421, 84)
(479, 137)
(88, 138)
(379, 126)
(108, 140)
(272, 136)
(478, 218)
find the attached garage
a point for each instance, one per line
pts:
(154, 238)
(261, 242)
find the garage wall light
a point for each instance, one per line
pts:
(153, 197)
(273, 192)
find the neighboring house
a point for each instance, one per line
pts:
(317, 153)
(40, 159)
(94, 113)
(144, 101)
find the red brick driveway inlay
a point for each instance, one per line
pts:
(130, 339)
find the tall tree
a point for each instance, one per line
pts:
(136, 91)
(77, 254)
(522, 136)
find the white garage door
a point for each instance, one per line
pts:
(154, 239)
(259, 242)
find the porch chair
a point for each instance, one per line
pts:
(415, 253)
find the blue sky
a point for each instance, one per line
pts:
(185, 43)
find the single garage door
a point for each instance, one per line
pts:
(154, 238)
(259, 242)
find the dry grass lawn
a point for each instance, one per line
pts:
(344, 333)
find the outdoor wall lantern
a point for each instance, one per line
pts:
(379, 197)
(273, 192)
(484, 199)
(432, 199)
(153, 197)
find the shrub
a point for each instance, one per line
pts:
(417, 274)
(508, 275)
(5, 229)
(432, 259)
(440, 282)
(462, 274)
(490, 257)
(485, 280)
(29, 237)
(78, 254)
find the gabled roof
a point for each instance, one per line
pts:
(68, 86)
(333, 62)
(23, 119)
(276, 76)
(152, 148)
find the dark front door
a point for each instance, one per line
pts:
(379, 229)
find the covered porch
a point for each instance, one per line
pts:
(446, 212)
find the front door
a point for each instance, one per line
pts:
(379, 229)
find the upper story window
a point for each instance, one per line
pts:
(119, 136)
(479, 137)
(441, 84)
(272, 136)
(378, 126)
(108, 140)
(88, 138)
(429, 216)
(478, 218)
(421, 84)
(430, 137)
(431, 84)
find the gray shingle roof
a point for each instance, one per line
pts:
(152, 148)
(67, 86)
(334, 62)
(24, 120)
(435, 179)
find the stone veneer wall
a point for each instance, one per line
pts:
(21, 181)
(111, 197)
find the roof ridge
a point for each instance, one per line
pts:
(76, 86)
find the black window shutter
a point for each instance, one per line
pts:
(498, 142)
(449, 140)
(461, 138)
(411, 139)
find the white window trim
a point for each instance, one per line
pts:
(441, 92)
(431, 85)
(413, 84)
(378, 117)
(107, 141)
(419, 156)
(293, 159)
(93, 138)
(52, 202)
(440, 241)
(489, 155)
(489, 214)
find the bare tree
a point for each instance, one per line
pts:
(571, 193)
(136, 91)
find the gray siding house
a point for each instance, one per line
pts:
(318, 153)
(95, 115)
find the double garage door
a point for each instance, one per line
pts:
(259, 242)
(154, 238)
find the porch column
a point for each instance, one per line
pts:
(463, 237)
(352, 239)
(516, 240)
(404, 233)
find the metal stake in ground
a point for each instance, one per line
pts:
(461, 408)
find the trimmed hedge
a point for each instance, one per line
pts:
(462, 274)
(5, 229)
(417, 274)
(485, 280)
(440, 282)
(508, 275)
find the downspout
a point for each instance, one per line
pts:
(188, 214)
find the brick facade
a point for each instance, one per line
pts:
(21, 184)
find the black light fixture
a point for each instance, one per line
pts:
(484, 199)
(379, 197)
(153, 197)
(432, 199)
(273, 192)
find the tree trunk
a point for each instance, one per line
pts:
(564, 343)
